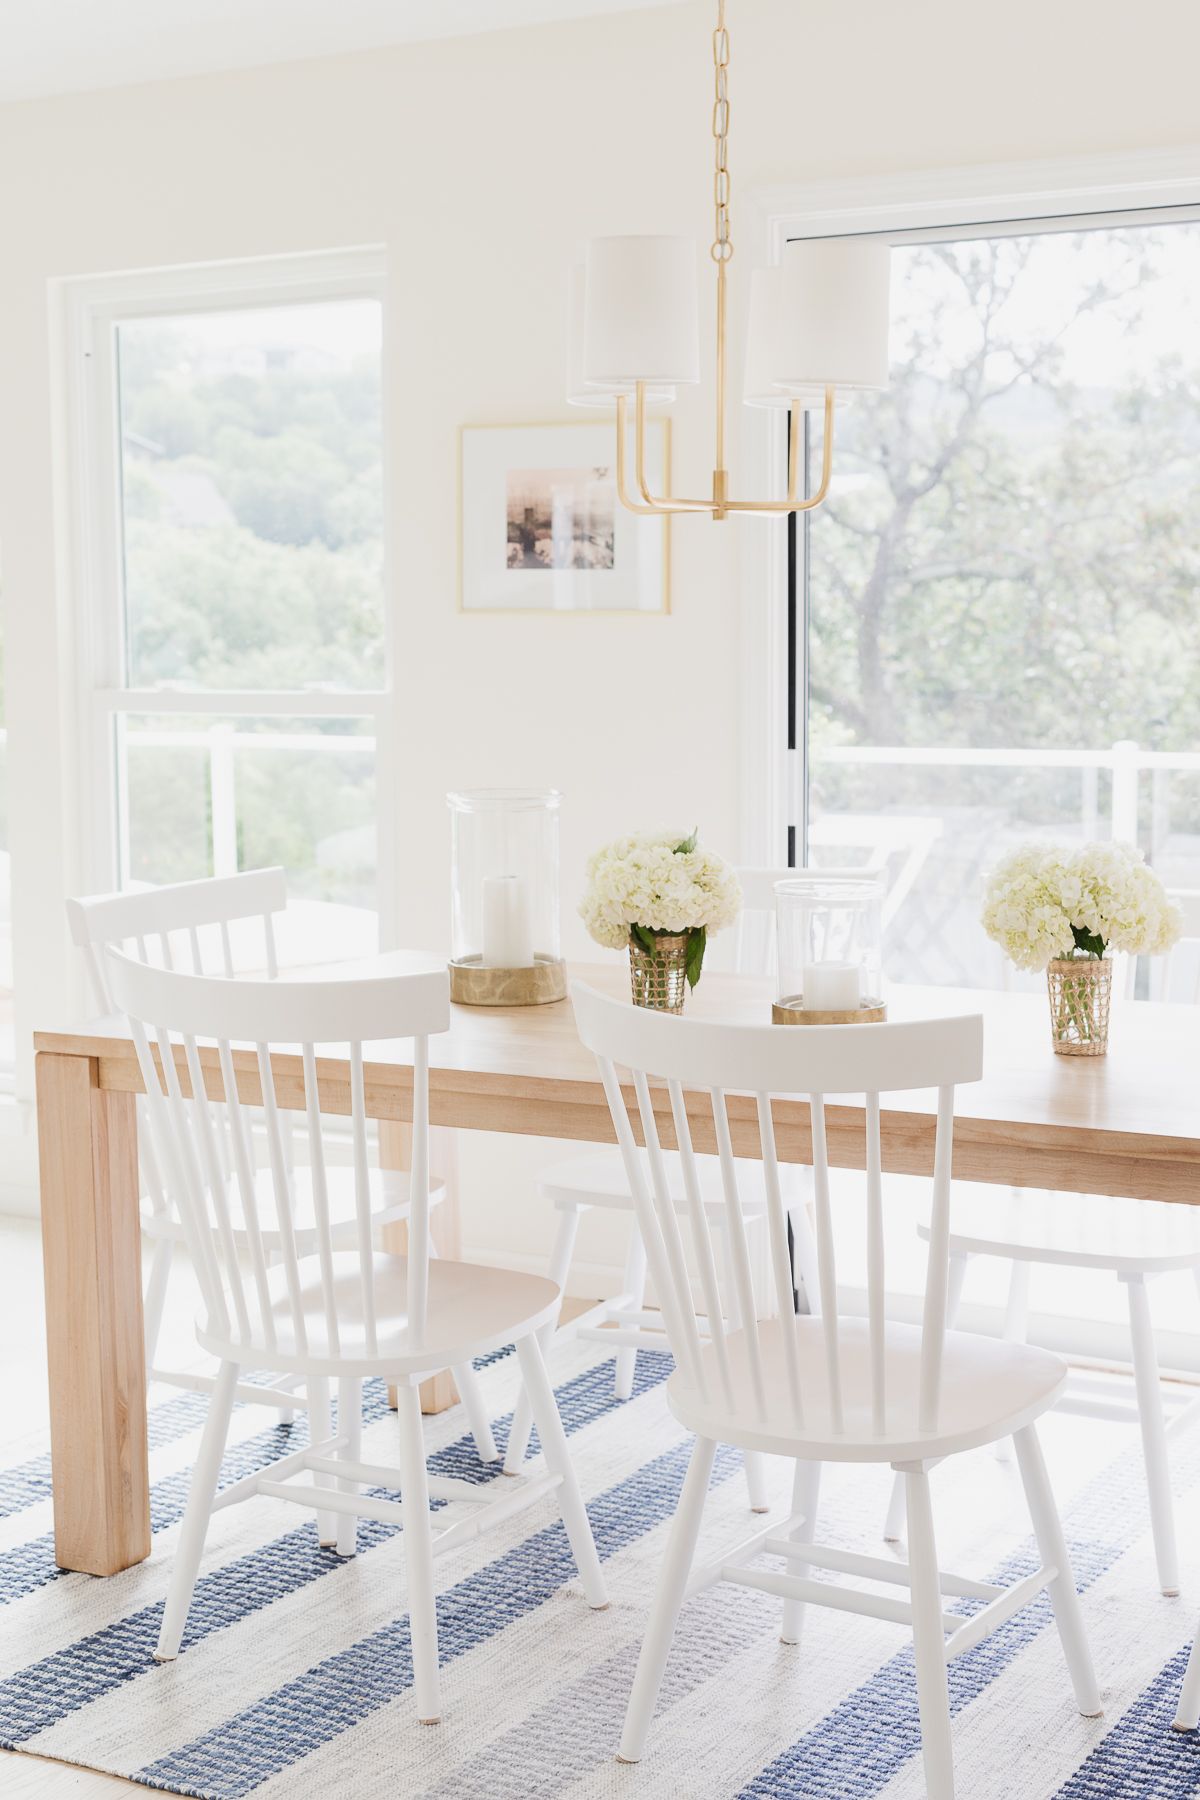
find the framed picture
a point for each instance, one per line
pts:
(542, 529)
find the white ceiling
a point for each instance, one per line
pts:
(62, 46)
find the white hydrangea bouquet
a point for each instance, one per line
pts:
(659, 895)
(1064, 910)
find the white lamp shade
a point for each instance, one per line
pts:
(763, 352)
(641, 313)
(587, 393)
(829, 315)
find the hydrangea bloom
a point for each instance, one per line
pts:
(660, 880)
(1042, 903)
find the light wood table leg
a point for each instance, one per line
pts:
(91, 1238)
(395, 1152)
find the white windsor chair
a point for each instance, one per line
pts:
(827, 1388)
(597, 1179)
(223, 925)
(1131, 1240)
(333, 1313)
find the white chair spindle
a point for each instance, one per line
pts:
(187, 1175)
(876, 1291)
(243, 1164)
(362, 1196)
(701, 1237)
(214, 1171)
(668, 1220)
(781, 1262)
(675, 1315)
(226, 949)
(197, 954)
(739, 1249)
(933, 1325)
(320, 1194)
(268, 920)
(156, 1107)
(281, 1186)
(826, 1260)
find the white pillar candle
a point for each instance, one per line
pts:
(832, 987)
(507, 925)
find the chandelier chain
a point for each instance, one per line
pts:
(722, 247)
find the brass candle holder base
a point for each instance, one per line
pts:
(790, 1012)
(473, 985)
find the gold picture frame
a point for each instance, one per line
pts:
(578, 550)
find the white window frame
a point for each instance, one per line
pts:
(773, 782)
(90, 312)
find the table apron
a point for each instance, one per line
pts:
(1067, 1159)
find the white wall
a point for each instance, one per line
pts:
(479, 163)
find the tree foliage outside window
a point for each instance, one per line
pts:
(252, 500)
(1010, 558)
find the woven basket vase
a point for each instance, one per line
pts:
(659, 981)
(1080, 990)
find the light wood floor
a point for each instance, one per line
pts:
(24, 1777)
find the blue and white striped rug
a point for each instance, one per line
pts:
(295, 1679)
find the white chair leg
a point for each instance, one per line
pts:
(349, 1427)
(893, 1524)
(1154, 1434)
(635, 1287)
(190, 1547)
(1188, 1712)
(806, 1488)
(929, 1639)
(418, 1555)
(155, 1298)
(560, 1268)
(1015, 1329)
(558, 1461)
(1052, 1546)
(320, 1428)
(471, 1395)
(668, 1599)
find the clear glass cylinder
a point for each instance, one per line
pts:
(830, 941)
(504, 914)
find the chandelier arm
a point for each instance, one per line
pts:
(667, 503)
(792, 504)
(622, 478)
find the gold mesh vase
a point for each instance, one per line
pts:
(659, 981)
(1080, 996)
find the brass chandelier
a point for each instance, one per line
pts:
(818, 322)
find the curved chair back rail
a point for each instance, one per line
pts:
(767, 1060)
(202, 1137)
(155, 918)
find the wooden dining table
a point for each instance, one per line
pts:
(1127, 1124)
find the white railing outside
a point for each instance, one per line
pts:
(222, 741)
(936, 935)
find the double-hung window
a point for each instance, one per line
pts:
(232, 621)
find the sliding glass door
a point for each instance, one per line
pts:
(999, 628)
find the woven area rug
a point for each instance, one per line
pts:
(295, 1679)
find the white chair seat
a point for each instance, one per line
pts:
(990, 1389)
(1087, 1231)
(599, 1179)
(389, 1203)
(471, 1310)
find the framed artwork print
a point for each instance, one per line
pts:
(542, 529)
